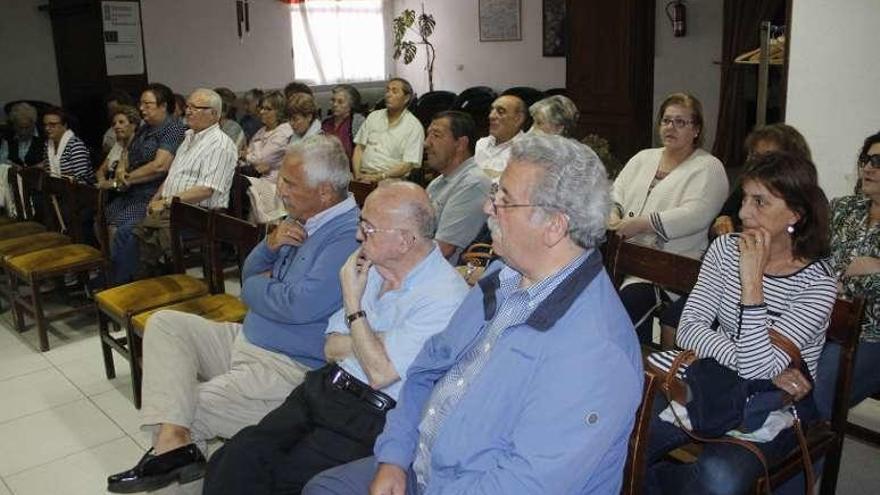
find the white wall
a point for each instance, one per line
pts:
(28, 55)
(834, 84)
(686, 64)
(463, 61)
(193, 43)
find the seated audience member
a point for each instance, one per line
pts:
(460, 190)
(66, 154)
(126, 121)
(250, 119)
(533, 386)
(148, 158)
(24, 145)
(771, 277)
(204, 379)
(667, 198)
(397, 291)
(506, 121)
(266, 149)
(200, 174)
(179, 111)
(389, 144)
(773, 137)
(295, 87)
(302, 115)
(855, 256)
(112, 102)
(554, 115)
(228, 123)
(344, 121)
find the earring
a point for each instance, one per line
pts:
(790, 229)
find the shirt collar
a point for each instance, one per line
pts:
(198, 135)
(413, 277)
(507, 143)
(461, 170)
(321, 218)
(575, 277)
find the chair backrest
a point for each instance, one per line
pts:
(477, 102)
(31, 184)
(526, 94)
(87, 203)
(58, 206)
(634, 469)
(238, 195)
(671, 271)
(240, 234)
(361, 190)
(844, 329)
(188, 221)
(429, 104)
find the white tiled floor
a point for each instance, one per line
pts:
(64, 427)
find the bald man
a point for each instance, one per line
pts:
(506, 120)
(398, 290)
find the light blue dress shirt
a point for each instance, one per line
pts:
(408, 316)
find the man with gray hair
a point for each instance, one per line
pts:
(201, 174)
(204, 379)
(397, 292)
(533, 386)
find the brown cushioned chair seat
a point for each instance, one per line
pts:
(52, 259)
(142, 295)
(31, 243)
(214, 307)
(20, 229)
(6, 220)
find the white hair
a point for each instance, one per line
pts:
(214, 100)
(574, 183)
(324, 161)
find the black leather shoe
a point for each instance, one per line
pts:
(152, 472)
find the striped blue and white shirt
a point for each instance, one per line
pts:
(205, 158)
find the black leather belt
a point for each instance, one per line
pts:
(340, 379)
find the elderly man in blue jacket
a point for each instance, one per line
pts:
(204, 379)
(533, 386)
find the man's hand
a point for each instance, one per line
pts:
(353, 278)
(156, 206)
(289, 232)
(389, 480)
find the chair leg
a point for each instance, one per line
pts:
(39, 317)
(134, 349)
(831, 470)
(106, 350)
(17, 316)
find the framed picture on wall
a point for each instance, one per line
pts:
(500, 20)
(554, 28)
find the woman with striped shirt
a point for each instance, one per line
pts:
(66, 154)
(771, 276)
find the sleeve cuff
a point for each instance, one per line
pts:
(657, 225)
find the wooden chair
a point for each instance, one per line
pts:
(28, 272)
(361, 190)
(474, 260)
(825, 439)
(24, 223)
(634, 470)
(670, 271)
(117, 306)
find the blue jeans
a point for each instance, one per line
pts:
(721, 469)
(124, 254)
(866, 376)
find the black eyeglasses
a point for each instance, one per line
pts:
(873, 160)
(196, 108)
(677, 123)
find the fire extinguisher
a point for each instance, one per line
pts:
(677, 16)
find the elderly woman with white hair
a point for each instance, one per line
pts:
(344, 121)
(24, 145)
(554, 115)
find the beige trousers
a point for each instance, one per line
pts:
(206, 376)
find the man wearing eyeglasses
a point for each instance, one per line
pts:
(533, 386)
(200, 174)
(397, 292)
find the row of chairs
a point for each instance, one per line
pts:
(679, 274)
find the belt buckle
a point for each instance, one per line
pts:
(338, 379)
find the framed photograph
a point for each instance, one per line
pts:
(554, 28)
(500, 20)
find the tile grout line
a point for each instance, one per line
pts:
(28, 372)
(65, 456)
(8, 488)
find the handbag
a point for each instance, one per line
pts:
(718, 400)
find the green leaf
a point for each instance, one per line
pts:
(426, 25)
(409, 51)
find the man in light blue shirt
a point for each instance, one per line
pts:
(533, 386)
(397, 291)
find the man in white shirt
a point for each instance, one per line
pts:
(389, 143)
(506, 120)
(201, 174)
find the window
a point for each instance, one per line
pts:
(338, 41)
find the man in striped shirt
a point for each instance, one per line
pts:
(201, 174)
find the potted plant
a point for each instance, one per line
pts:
(402, 24)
